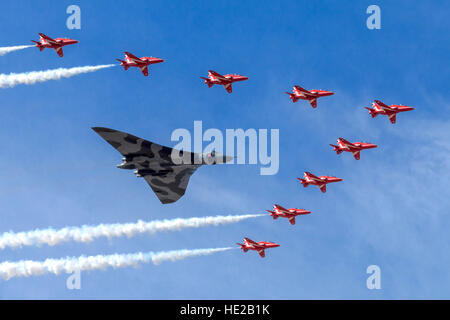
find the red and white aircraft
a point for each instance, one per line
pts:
(390, 111)
(226, 80)
(57, 44)
(279, 211)
(141, 63)
(311, 96)
(321, 181)
(355, 147)
(257, 246)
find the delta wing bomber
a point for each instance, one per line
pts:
(165, 169)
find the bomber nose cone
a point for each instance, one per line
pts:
(228, 158)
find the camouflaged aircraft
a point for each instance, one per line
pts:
(165, 169)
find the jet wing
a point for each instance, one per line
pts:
(304, 91)
(348, 143)
(357, 154)
(392, 117)
(249, 241)
(292, 220)
(228, 87)
(323, 188)
(262, 253)
(312, 176)
(59, 51)
(313, 103)
(48, 39)
(216, 75)
(382, 105)
(144, 70)
(133, 57)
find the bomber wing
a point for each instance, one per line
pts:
(167, 179)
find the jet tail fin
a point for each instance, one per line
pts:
(208, 82)
(372, 112)
(38, 44)
(123, 63)
(303, 182)
(292, 97)
(273, 214)
(242, 247)
(336, 148)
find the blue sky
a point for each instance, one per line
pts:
(392, 209)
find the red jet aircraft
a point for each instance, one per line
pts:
(279, 211)
(390, 111)
(311, 96)
(355, 147)
(257, 246)
(141, 63)
(226, 80)
(321, 181)
(57, 44)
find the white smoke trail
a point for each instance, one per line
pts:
(88, 233)
(26, 268)
(5, 50)
(14, 79)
